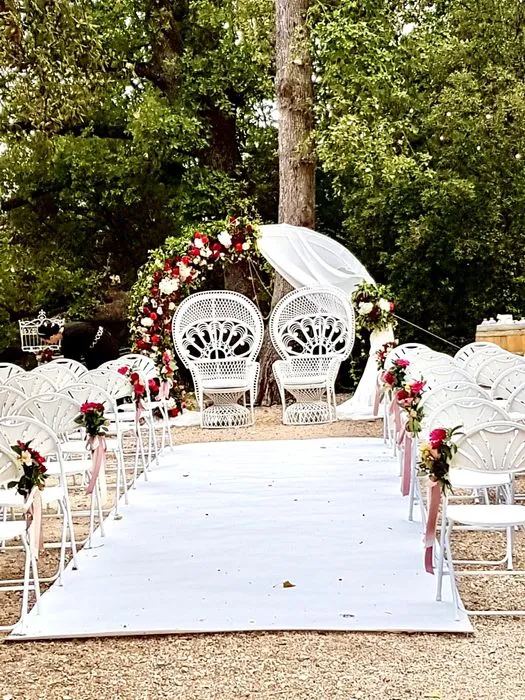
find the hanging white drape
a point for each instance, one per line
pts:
(307, 258)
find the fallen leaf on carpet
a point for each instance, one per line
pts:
(288, 584)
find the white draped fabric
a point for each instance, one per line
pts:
(307, 258)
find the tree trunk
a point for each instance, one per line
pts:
(296, 148)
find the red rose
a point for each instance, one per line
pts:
(437, 436)
(125, 370)
(155, 339)
(249, 228)
(153, 385)
(139, 389)
(198, 234)
(205, 239)
(195, 252)
(402, 394)
(173, 412)
(392, 306)
(185, 260)
(216, 247)
(233, 219)
(157, 277)
(141, 345)
(389, 378)
(154, 291)
(167, 265)
(175, 272)
(401, 363)
(153, 316)
(417, 387)
(135, 377)
(238, 247)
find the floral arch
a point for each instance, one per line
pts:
(173, 271)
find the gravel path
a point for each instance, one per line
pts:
(289, 666)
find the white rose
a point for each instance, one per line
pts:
(224, 239)
(364, 308)
(168, 285)
(184, 272)
(246, 245)
(171, 306)
(205, 252)
(26, 458)
(160, 311)
(153, 303)
(146, 322)
(384, 305)
(145, 300)
(198, 243)
(196, 260)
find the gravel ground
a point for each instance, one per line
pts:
(291, 666)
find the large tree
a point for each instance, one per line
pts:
(295, 107)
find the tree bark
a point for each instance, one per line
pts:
(295, 100)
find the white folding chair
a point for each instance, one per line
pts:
(17, 529)
(507, 382)
(10, 400)
(464, 353)
(515, 404)
(77, 368)
(58, 373)
(8, 370)
(489, 371)
(32, 384)
(473, 362)
(497, 447)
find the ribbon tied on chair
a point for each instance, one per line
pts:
(434, 500)
(96, 444)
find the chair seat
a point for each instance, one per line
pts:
(10, 498)
(78, 447)
(498, 516)
(219, 385)
(469, 479)
(71, 466)
(11, 529)
(315, 380)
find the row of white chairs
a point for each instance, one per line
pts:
(485, 394)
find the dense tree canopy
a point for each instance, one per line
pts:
(121, 122)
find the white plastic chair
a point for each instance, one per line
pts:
(441, 374)
(473, 362)
(8, 370)
(77, 368)
(492, 448)
(11, 529)
(440, 394)
(217, 336)
(313, 330)
(147, 370)
(405, 351)
(464, 353)
(58, 373)
(489, 370)
(31, 384)
(507, 382)
(47, 443)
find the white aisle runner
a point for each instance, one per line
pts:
(207, 543)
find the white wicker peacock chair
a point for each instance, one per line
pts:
(313, 330)
(218, 335)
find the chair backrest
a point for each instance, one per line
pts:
(439, 394)
(405, 351)
(77, 368)
(498, 446)
(117, 385)
(313, 321)
(8, 370)
(439, 374)
(493, 366)
(516, 401)
(467, 411)
(466, 351)
(59, 374)
(508, 381)
(90, 393)
(26, 429)
(10, 400)
(217, 325)
(142, 364)
(31, 384)
(29, 338)
(57, 411)
(9, 469)
(473, 362)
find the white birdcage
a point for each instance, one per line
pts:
(29, 338)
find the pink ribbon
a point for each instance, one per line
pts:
(97, 445)
(164, 391)
(396, 412)
(434, 499)
(35, 523)
(138, 413)
(406, 476)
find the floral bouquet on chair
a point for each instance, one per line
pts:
(374, 306)
(33, 467)
(409, 398)
(436, 456)
(92, 419)
(395, 377)
(382, 353)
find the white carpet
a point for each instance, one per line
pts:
(207, 543)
